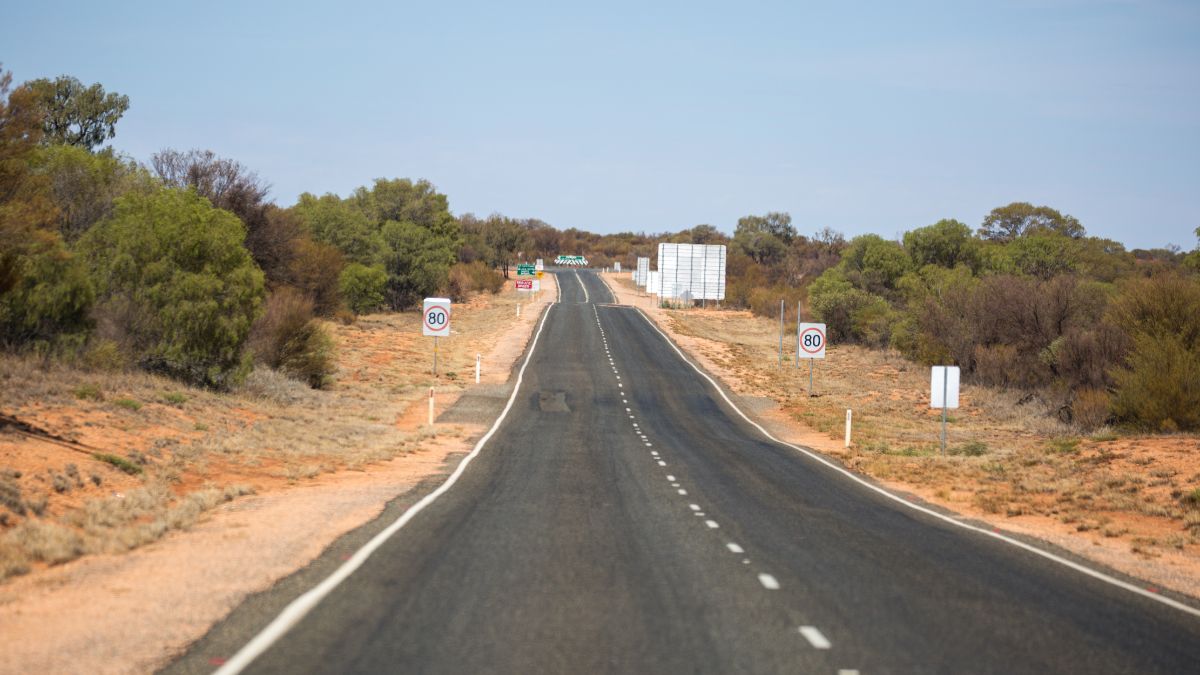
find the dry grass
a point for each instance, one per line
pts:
(153, 455)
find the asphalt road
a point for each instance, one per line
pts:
(625, 519)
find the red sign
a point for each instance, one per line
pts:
(524, 284)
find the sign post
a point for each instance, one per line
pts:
(435, 322)
(943, 393)
(811, 342)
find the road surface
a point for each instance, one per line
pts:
(624, 518)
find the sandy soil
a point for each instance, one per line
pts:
(319, 463)
(1108, 498)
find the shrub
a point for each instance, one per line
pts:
(1159, 386)
(1091, 408)
(417, 262)
(473, 277)
(288, 339)
(176, 269)
(850, 314)
(315, 270)
(362, 287)
(309, 356)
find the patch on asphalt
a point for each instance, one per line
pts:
(553, 401)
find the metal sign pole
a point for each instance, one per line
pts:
(435, 356)
(781, 333)
(810, 371)
(797, 365)
(945, 392)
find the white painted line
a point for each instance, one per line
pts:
(712, 524)
(694, 507)
(649, 445)
(670, 477)
(618, 384)
(847, 671)
(699, 514)
(585, 293)
(814, 637)
(734, 547)
(635, 424)
(654, 452)
(1083, 569)
(769, 582)
(683, 493)
(674, 485)
(627, 410)
(661, 463)
(301, 606)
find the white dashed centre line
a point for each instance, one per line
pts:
(661, 463)
(769, 582)
(670, 477)
(847, 671)
(694, 507)
(712, 524)
(734, 547)
(683, 493)
(814, 637)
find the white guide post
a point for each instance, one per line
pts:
(477, 357)
(848, 415)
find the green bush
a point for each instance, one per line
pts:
(362, 287)
(50, 304)
(177, 270)
(310, 356)
(1159, 386)
(417, 263)
(850, 314)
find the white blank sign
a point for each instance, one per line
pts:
(943, 380)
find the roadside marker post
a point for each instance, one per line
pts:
(943, 393)
(810, 338)
(797, 364)
(848, 415)
(435, 322)
(477, 357)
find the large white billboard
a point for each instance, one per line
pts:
(692, 271)
(641, 276)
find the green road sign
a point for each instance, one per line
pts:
(526, 270)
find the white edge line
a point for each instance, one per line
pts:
(1095, 574)
(585, 293)
(301, 606)
(814, 637)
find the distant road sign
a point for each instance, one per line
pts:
(943, 387)
(540, 266)
(524, 270)
(540, 273)
(524, 284)
(436, 317)
(812, 341)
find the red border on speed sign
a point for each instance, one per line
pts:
(431, 310)
(819, 348)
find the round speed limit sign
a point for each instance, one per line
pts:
(812, 341)
(436, 317)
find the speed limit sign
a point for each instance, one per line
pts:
(436, 317)
(812, 341)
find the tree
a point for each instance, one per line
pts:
(25, 205)
(1006, 223)
(504, 238)
(333, 221)
(84, 185)
(402, 200)
(74, 114)
(765, 238)
(417, 263)
(270, 235)
(706, 234)
(947, 243)
(874, 264)
(184, 292)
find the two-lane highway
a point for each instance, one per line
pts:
(625, 518)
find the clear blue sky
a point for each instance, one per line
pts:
(864, 117)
